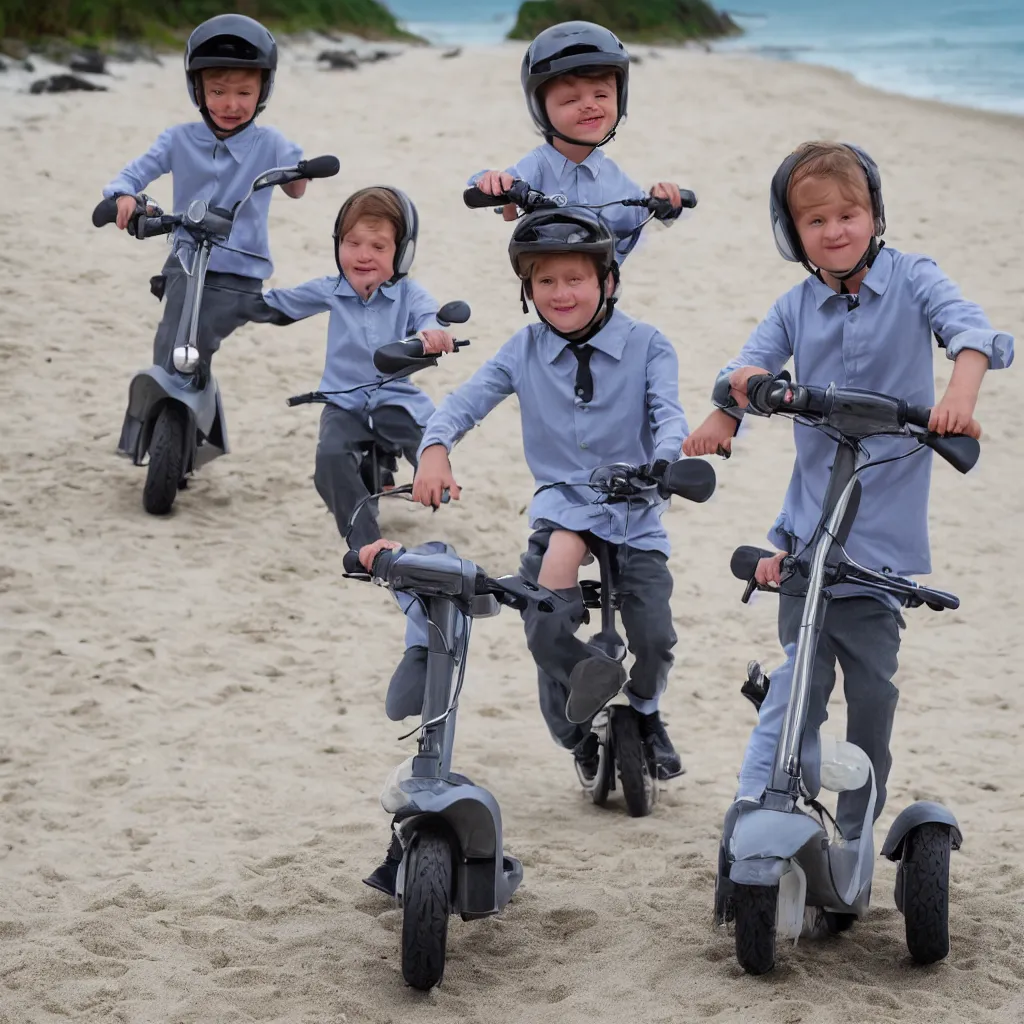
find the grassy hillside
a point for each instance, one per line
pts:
(647, 21)
(164, 19)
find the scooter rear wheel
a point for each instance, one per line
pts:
(925, 870)
(638, 782)
(166, 460)
(754, 908)
(426, 906)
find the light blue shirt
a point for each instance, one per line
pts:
(883, 344)
(219, 171)
(356, 329)
(634, 417)
(597, 179)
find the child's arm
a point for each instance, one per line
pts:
(969, 340)
(289, 154)
(154, 163)
(668, 421)
(305, 300)
(423, 321)
(495, 182)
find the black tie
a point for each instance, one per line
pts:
(584, 380)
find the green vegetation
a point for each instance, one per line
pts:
(644, 21)
(166, 20)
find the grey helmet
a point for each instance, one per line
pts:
(230, 41)
(572, 46)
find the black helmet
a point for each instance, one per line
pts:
(405, 243)
(572, 46)
(787, 239)
(230, 41)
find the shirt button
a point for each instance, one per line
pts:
(583, 444)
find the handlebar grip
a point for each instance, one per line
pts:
(687, 198)
(744, 561)
(319, 167)
(105, 213)
(477, 200)
(148, 227)
(916, 415)
(351, 563)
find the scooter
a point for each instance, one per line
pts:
(398, 359)
(780, 872)
(450, 830)
(620, 744)
(175, 414)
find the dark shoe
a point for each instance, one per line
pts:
(408, 685)
(663, 754)
(385, 877)
(592, 683)
(587, 753)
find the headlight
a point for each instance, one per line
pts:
(186, 359)
(392, 799)
(844, 766)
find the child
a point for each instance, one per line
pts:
(576, 79)
(230, 64)
(371, 302)
(864, 318)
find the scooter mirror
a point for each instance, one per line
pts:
(456, 312)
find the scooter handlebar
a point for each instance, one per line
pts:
(319, 167)
(105, 213)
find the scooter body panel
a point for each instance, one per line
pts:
(921, 813)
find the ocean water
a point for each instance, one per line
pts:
(968, 52)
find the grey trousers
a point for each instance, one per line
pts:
(339, 453)
(644, 585)
(863, 635)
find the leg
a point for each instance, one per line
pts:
(229, 302)
(175, 284)
(866, 635)
(337, 477)
(394, 426)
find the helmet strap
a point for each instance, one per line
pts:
(867, 260)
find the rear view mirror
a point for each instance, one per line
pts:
(456, 312)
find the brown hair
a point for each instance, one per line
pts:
(834, 162)
(528, 262)
(374, 203)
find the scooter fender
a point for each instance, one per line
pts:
(920, 813)
(763, 841)
(472, 815)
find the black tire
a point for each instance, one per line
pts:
(426, 906)
(925, 870)
(166, 460)
(754, 907)
(638, 782)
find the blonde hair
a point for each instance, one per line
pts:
(231, 73)
(830, 161)
(374, 203)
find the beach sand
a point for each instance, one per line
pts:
(192, 730)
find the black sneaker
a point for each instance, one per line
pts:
(587, 754)
(384, 878)
(666, 760)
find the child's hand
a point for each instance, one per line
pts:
(769, 570)
(955, 415)
(738, 383)
(435, 342)
(126, 206)
(667, 190)
(433, 475)
(494, 183)
(295, 189)
(368, 552)
(715, 432)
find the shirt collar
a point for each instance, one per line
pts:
(559, 163)
(611, 339)
(240, 145)
(876, 279)
(343, 288)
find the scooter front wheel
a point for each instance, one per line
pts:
(754, 908)
(638, 780)
(426, 906)
(925, 870)
(166, 460)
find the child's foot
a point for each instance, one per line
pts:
(666, 760)
(592, 683)
(384, 878)
(587, 754)
(408, 685)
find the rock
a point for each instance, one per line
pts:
(28, 65)
(64, 83)
(339, 60)
(89, 62)
(3, 65)
(130, 52)
(14, 48)
(635, 58)
(448, 54)
(376, 55)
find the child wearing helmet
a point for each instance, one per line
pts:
(230, 64)
(575, 77)
(864, 318)
(371, 301)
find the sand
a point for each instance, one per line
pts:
(192, 730)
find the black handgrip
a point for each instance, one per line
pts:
(915, 415)
(687, 198)
(693, 479)
(661, 208)
(307, 399)
(351, 564)
(477, 200)
(743, 563)
(105, 213)
(319, 167)
(959, 450)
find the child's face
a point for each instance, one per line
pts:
(566, 291)
(582, 108)
(232, 95)
(367, 254)
(835, 229)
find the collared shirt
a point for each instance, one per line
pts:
(634, 417)
(598, 179)
(880, 343)
(356, 329)
(220, 171)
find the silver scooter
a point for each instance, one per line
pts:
(780, 872)
(175, 414)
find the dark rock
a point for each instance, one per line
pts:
(635, 58)
(339, 60)
(372, 58)
(28, 65)
(89, 62)
(448, 54)
(64, 83)
(3, 65)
